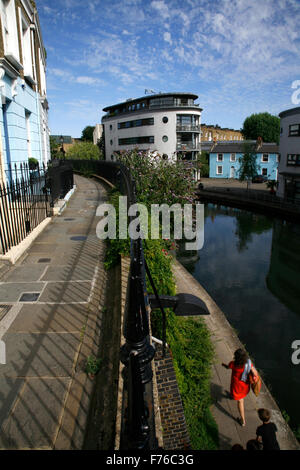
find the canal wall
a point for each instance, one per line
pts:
(254, 201)
(224, 409)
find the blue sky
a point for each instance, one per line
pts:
(239, 56)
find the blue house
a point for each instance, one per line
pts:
(224, 159)
(24, 131)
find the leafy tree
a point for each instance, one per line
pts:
(84, 151)
(87, 133)
(54, 147)
(262, 125)
(248, 165)
(203, 164)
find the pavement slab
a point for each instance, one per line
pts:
(224, 409)
(45, 393)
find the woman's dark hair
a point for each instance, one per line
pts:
(240, 357)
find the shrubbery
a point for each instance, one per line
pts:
(84, 151)
(157, 182)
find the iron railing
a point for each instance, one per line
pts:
(23, 204)
(60, 179)
(257, 196)
(137, 352)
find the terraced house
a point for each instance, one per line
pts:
(168, 123)
(24, 105)
(224, 159)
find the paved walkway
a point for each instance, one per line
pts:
(50, 321)
(224, 409)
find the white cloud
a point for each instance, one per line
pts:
(167, 37)
(161, 8)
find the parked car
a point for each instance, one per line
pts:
(259, 179)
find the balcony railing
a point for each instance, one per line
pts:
(187, 146)
(187, 128)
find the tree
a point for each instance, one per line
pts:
(84, 151)
(87, 134)
(248, 165)
(262, 125)
(203, 164)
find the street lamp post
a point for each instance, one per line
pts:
(62, 145)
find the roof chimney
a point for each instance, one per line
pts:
(259, 142)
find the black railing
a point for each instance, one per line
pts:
(137, 353)
(59, 179)
(23, 204)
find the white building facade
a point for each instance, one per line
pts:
(289, 150)
(24, 105)
(166, 123)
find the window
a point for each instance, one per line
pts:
(294, 130)
(148, 139)
(9, 31)
(27, 119)
(110, 127)
(136, 123)
(265, 158)
(264, 171)
(219, 170)
(232, 157)
(220, 157)
(26, 48)
(165, 119)
(165, 138)
(111, 142)
(293, 159)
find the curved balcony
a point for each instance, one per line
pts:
(187, 146)
(187, 128)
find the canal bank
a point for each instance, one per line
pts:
(224, 409)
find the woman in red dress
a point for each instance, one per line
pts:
(240, 385)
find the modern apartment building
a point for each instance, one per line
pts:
(224, 159)
(24, 105)
(97, 134)
(168, 123)
(289, 149)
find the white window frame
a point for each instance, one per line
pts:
(262, 171)
(26, 47)
(10, 32)
(218, 156)
(262, 158)
(233, 157)
(218, 167)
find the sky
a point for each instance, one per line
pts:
(239, 56)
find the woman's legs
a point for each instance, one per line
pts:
(240, 405)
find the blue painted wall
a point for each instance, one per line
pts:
(227, 165)
(13, 123)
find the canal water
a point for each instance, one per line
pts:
(250, 266)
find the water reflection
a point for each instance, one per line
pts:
(250, 265)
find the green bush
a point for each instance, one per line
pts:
(84, 151)
(189, 339)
